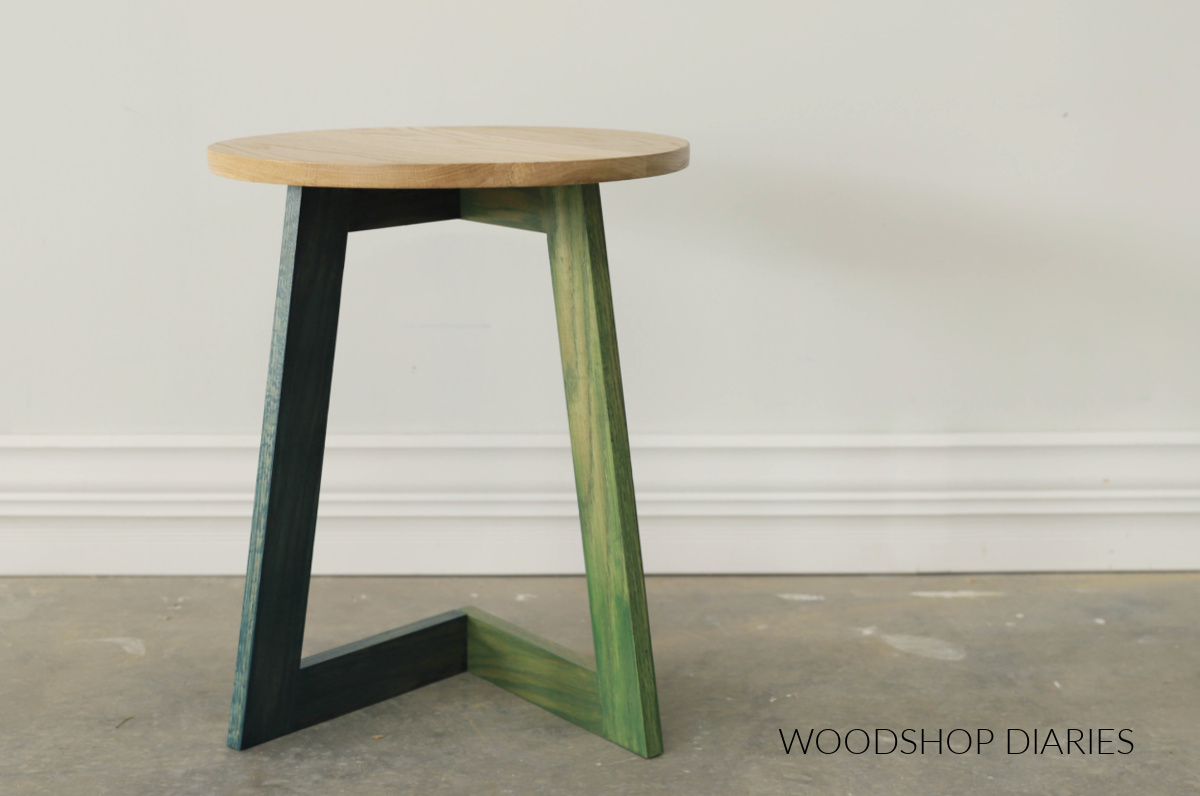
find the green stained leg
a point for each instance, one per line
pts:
(603, 477)
(289, 466)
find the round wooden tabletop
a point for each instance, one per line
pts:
(448, 157)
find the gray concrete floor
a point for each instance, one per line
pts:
(121, 685)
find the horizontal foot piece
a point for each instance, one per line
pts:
(380, 667)
(348, 678)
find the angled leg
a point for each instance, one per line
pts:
(603, 477)
(289, 465)
(276, 693)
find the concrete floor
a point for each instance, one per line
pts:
(122, 685)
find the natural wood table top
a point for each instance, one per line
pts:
(448, 157)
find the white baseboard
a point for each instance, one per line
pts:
(505, 504)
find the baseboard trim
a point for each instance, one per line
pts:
(504, 504)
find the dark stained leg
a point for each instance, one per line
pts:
(289, 465)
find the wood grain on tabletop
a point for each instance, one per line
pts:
(448, 157)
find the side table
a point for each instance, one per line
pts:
(535, 178)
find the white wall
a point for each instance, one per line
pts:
(924, 217)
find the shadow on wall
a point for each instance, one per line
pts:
(942, 251)
(966, 311)
(870, 225)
